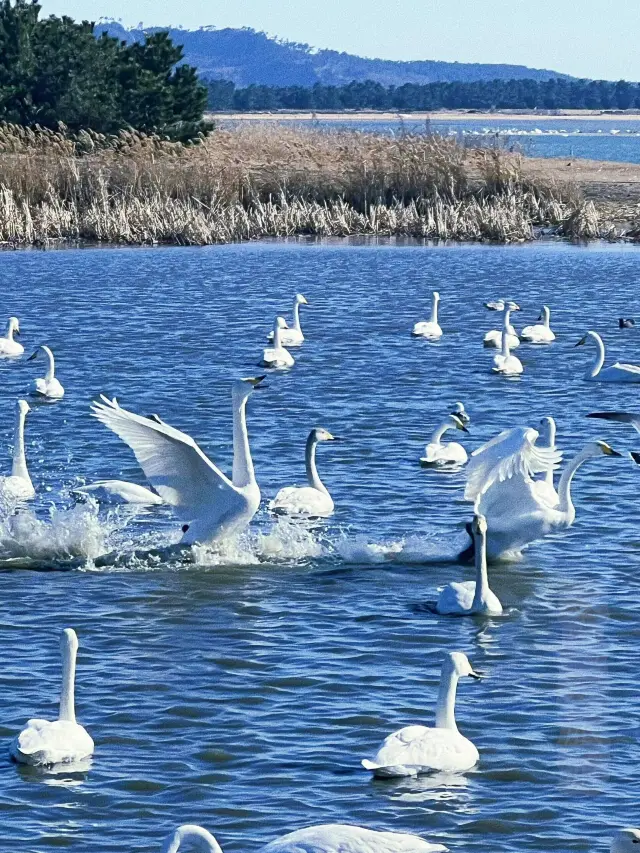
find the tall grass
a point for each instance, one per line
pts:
(265, 180)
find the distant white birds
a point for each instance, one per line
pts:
(291, 336)
(618, 372)
(212, 505)
(119, 492)
(429, 328)
(277, 356)
(438, 454)
(494, 338)
(626, 841)
(500, 304)
(18, 486)
(460, 411)
(469, 598)
(313, 499)
(44, 743)
(541, 333)
(506, 363)
(325, 838)
(7, 344)
(49, 386)
(419, 749)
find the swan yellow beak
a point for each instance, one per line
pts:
(607, 450)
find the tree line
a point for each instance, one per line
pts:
(55, 70)
(481, 95)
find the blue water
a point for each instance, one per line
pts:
(242, 691)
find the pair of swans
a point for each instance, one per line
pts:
(18, 486)
(618, 372)
(291, 336)
(422, 749)
(429, 329)
(49, 386)
(313, 499)
(505, 363)
(438, 454)
(541, 333)
(325, 838)
(44, 743)
(8, 346)
(277, 356)
(519, 509)
(501, 304)
(495, 337)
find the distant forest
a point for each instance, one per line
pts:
(480, 95)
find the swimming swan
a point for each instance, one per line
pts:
(49, 386)
(504, 362)
(314, 499)
(211, 504)
(325, 838)
(18, 486)
(499, 305)
(277, 356)
(44, 743)
(494, 338)
(7, 345)
(539, 334)
(119, 492)
(420, 749)
(429, 328)
(292, 336)
(468, 598)
(626, 841)
(439, 455)
(618, 372)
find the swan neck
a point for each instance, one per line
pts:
(277, 341)
(205, 842)
(547, 318)
(506, 352)
(51, 365)
(482, 575)
(552, 441)
(310, 463)
(434, 310)
(10, 331)
(507, 319)
(243, 473)
(19, 467)
(296, 316)
(435, 438)
(445, 709)
(564, 486)
(596, 367)
(67, 694)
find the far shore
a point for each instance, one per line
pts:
(449, 115)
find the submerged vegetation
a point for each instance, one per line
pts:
(258, 181)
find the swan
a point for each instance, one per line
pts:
(212, 505)
(499, 305)
(277, 356)
(618, 372)
(18, 486)
(7, 345)
(119, 491)
(504, 362)
(500, 483)
(471, 597)
(429, 329)
(314, 499)
(421, 749)
(625, 841)
(325, 838)
(494, 338)
(43, 743)
(439, 455)
(539, 334)
(49, 386)
(292, 336)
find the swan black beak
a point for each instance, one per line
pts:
(581, 342)
(257, 382)
(635, 456)
(32, 356)
(477, 675)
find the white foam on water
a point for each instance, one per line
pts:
(411, 549)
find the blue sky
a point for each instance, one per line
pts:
(587, 38)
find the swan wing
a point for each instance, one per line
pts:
(511, 453)
(43, 742)
(622, 417)
(427, 749)
(171, 460)
(343, 838)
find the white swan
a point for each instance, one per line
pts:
(499, 305)
(49, 386)
(325, 838)
(18, 486)
(291, 336)
(500, 482)
(62, 741)
(119, 491)
(468, 598)
(504, 362)
(494, 338)
(429, 328)
(439, 455)
(618, 372)
(277, 356)
(544, 486)
(311, 500)
(419, 749)
(626, 841)
(7, 345)
(539, 334)
(212, 505)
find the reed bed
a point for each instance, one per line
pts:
(258, 181)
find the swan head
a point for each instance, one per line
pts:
(458, 663)
(626, 841)
(41, 348)
(457, 423)
(548, 430)
(243, 387)
(321, 434)
(68, 640)
(191, 836)
(544, 314)
(585, 338)
(436, 296)
(281, 323)
(604, 448)
(23, 407)
(479, 526)
(300, 300)
(460, 412)
(14, 325)
(513, 306)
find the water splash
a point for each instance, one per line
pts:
(412, 549)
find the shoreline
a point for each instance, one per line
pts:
(440, 115)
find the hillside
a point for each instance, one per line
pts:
(246, 56)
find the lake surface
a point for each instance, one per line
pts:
(241, 691)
